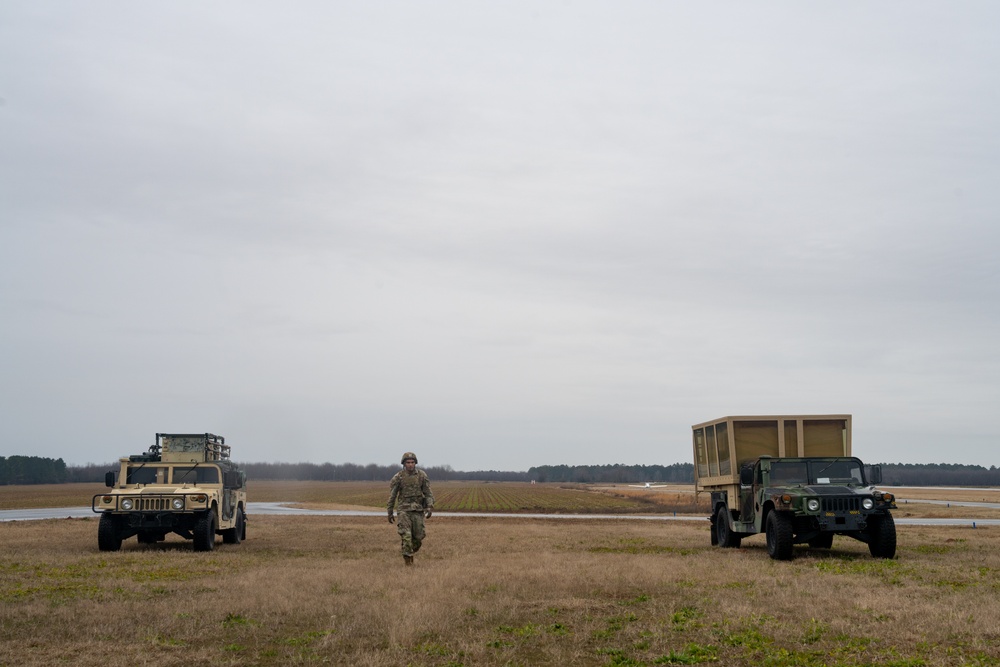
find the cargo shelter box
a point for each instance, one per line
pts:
(722, 445)
(191, 447)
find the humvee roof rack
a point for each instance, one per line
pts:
(183, 444)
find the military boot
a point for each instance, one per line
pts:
(408, 560)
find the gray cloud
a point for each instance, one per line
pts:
(500, 235)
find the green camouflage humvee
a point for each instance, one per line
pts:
(792, 478)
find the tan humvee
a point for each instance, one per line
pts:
(184, 484)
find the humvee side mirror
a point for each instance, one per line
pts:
(746, 476)
(109, 478)
(874, 474)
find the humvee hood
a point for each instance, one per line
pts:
(828, 490)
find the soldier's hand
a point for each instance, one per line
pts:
(392, 519)
(427, 514)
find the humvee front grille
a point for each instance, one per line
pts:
(153, 504)
(841, 504)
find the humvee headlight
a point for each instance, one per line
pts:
(812, 504)
(868, 503)
(178, 503)
(127, 504)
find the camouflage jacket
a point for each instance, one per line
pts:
(410, 492)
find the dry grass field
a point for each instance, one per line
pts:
(505, 497)
(47, 495)
(494, 497)
(511, 591)
(450, 496)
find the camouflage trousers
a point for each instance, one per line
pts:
(410, 526)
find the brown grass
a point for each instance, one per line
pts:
(488, 497)
(312, 590)
(47, 495)
(973, 495)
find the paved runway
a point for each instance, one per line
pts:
(284, 508)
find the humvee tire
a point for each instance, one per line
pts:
(779, 535)
(236, 534)
(204, 532)
(724, 535)
(108, 537)
(882, 537)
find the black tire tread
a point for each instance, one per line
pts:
(204, 532)
(882, 537)
(235, 534)
(108, 537)
(725, 537)
(780, 535)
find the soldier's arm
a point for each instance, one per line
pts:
(428, 496)
(393, 492)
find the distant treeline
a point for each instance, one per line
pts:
(327, 472)
(352, 472)
(40, 470)
(680, 473)
(32, 470)
(939, 474)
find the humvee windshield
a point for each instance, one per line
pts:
(827, 472)
(196, 475)
(839, 471)
(145, 474)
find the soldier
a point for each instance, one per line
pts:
(410, 493)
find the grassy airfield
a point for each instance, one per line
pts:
(333, 590)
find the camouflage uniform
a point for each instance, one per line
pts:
(410, 495)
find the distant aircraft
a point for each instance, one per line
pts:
(647, 485)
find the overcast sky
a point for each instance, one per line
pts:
(497, 234)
